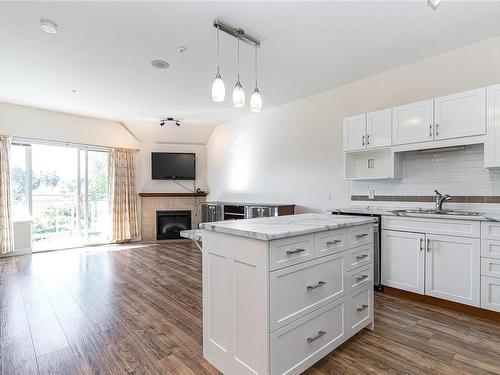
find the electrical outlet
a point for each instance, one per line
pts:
(371, 194)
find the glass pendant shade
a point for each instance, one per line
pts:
(256, 101)
(218, 89)
(238, 95)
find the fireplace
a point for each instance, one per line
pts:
(169, 224)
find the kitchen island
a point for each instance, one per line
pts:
(280, 293)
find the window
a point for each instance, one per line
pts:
(20, 173)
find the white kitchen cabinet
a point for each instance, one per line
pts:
(460, 115)
(372, 130)
(355, 133)
(452, 268)
(413, 123)
(403, 260)
(490, 293)
(492, 140)
(379, 128)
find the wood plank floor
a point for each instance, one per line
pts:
(137, 310)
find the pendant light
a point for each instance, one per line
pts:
(238, 93)
(256, 98)
(218, 87)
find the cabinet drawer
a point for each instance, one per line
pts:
(360, 310)
(360, 277)
(490, 230)
(333, 241)
(490, 293)
(460, 228)
(359, 235)
(298, 345)
(490, 249)
(292, 250)
(359, 256)
(296, 291)
(490, 267)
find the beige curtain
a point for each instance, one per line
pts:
(123, 195)
(6, 221)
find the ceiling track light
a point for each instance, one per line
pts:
(170, 120)
(218, 87)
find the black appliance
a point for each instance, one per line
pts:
(377, 226)
(173, 166)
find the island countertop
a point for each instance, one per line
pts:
(273, 228)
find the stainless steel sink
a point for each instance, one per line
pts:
(437, 212)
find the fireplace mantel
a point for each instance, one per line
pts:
(172, 195)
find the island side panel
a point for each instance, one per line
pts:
(235, 303)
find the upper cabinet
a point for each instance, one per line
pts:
(492, 141)
(413, 123)
(378, 128)
(355, 133)
(373, 141)
(368, 131)
(460, 115)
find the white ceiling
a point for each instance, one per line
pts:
(104, 49)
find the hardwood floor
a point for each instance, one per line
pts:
(137, 310)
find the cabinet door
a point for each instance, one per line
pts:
(355, 132)
(453, 268)
(402, 258)
(492, 141)
(379, 128)
(460, 115)
(413, 123)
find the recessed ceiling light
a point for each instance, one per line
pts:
(160, 64)
(48, 26)
(433, 3)
(181, 49)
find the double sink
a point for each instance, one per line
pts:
(437, 212)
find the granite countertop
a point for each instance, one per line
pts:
(486, 215)
(272, 228)
(193, 234)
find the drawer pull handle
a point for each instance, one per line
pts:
(333, 242)
(321, 333)
(359, 257)
(361, 235)
(362, 308)
(312, 287)
(361, 278)
(296, 251)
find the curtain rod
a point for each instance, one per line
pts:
(48, 141)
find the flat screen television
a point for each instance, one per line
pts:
(173, 166)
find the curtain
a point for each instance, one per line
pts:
(123, 195)
(6, 221)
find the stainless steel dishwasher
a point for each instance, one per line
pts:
(376, 244)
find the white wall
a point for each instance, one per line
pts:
(147, 185)
(21, 121)
(293, 153)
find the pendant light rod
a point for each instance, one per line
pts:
(236, 32)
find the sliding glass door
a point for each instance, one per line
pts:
(69, 196)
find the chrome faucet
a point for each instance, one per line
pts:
(440, 199)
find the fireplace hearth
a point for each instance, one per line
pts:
(169, 224)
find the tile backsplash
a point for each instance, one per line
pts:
(457, 172)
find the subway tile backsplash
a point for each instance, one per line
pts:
(458, 173)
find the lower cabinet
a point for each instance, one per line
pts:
(402, 258)
(297, 345)
(446, 267)
(452, 269)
